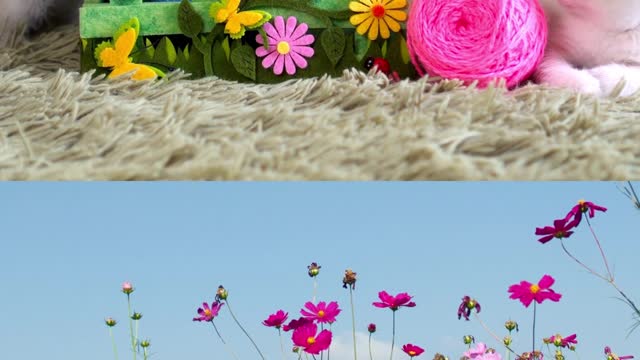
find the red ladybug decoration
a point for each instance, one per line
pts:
(382, 65)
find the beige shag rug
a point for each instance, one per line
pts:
(58, 124)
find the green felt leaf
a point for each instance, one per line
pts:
(384, 49)
(145, 53)
(190, 22)
(362, 44)
(333, 43)
(404, 50)
(165, 53)
(243, 59)
(226, 48)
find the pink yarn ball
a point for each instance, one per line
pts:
(480, 40)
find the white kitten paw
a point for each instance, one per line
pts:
(610, 75)
(571, 78)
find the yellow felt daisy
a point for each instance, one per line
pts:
(378, 17)
(237, 21)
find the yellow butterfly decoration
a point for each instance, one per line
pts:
(237, 21)
(116, 55)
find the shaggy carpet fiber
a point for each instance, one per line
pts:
(58, 124)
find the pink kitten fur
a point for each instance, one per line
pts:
(593, 44)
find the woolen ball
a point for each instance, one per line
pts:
(481, 40)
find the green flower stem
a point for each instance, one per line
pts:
(393, 334)
(113, 343)
(370, 353)
(137, 342)
(353, 322)
(229, 349)
(133, 339)
(315, 289)
(145, 353)
(243, 330)
(281, 344)
(604, 258)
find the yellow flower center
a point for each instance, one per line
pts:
(207, 312)
(377, 11)
(311, 340)
(321, 313)
(581, 202)
(412, 353)
(283, 48)
(535, 288)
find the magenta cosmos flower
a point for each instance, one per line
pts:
(526, 292)
(561, 229)
(559, 341)
(412, 350)
(480, 353)
(583, 207)
(466, 306)
(306, 338)
(296, 323)
(208, 313)
(322, 313)
(394, 302)
(276, 320)
(288, 45)
(612, 356)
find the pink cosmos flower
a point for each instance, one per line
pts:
(306, 338)
(612, 356)
(583, 207)
(526, 292)
(480, 353)
(296, 323)
(288, 45)
(276, 320)
(560, 229)
(466, 306)
(127, 288)
(322, 312)
(394, 302)
(559, 341)
(412, 350)
(208, 313)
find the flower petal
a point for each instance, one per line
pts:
(384, 29)
(395, 4)
(289, 66)
(392, 23)
(291, 26)
(299, 32)
(298, 59)
(270, 59)
(373, 30)
(279, 24)
(305, 51)
(360, 18)
(357, 6)
(546, 282)
(397, 14)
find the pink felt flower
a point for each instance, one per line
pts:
(306, 338)
(559, 341)
(322, 313)
(288, 45)
(526, 292)
(276, 320)
(612, 356)
(583, 207)
(208, 313)
(394, 302)
(412, 350)
(561, 229)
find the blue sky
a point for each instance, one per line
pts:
(67, 247)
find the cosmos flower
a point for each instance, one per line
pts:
(313, 269)
(307, 338)
(371, 328)
(559, 341)
(467, 305)
(208, 313)
(349, 279)
(412, 350)
(127, 288)
(612, 356)
(394, 302)
(276, 320)
(322, 313)
(583, 207)
(296, 323)
(526, 292)
(561, 229)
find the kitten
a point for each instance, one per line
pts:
(27, 17)
(593, 44)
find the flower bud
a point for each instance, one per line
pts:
(136, 316)
(349, 279)
(110, 322)
(507, 340)
(511, 325)
(558, 355)
(371, 328)
(468, 339)
(222, 293)
(557, 340)
(127, 288)
(314, 269)
(296, 349)
(145, 343)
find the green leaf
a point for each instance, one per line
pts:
(404, 50)
(384, 49)
(362, 44)
(333, 42)
(165, 53)
(244, 61)
(189, 20)
(226, 48)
